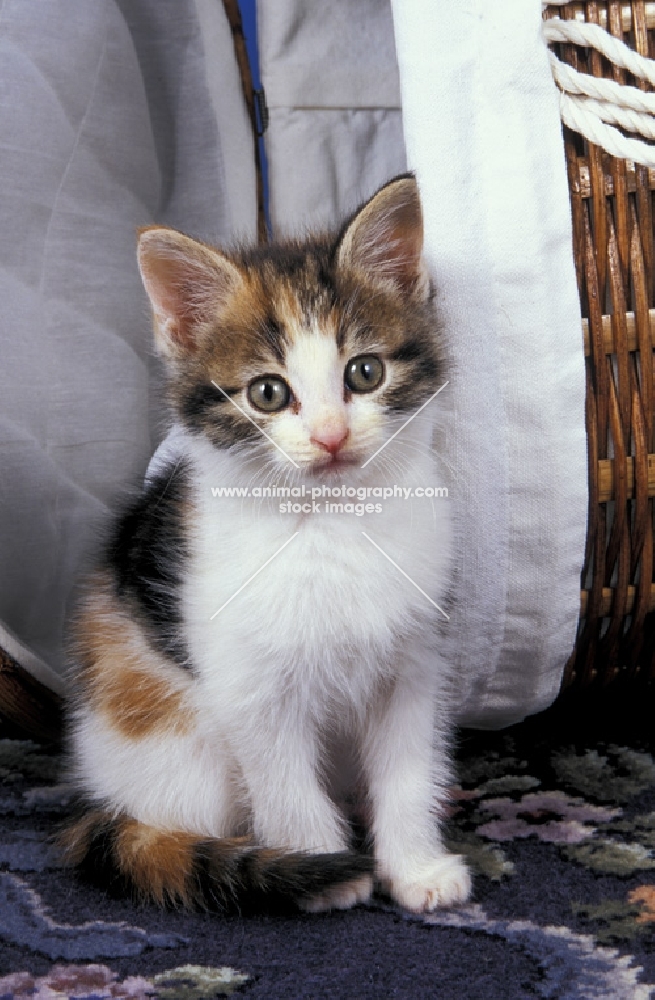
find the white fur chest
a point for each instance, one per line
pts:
(271, 596)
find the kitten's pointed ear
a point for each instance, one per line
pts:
(385, 239)
(187, 283)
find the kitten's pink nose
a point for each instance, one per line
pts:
(330, 439)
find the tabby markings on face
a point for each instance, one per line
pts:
(319, 357)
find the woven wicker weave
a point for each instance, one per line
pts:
(612, 209)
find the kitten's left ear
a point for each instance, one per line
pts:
(385, 239)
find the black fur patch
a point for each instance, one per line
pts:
(421, 375)
(96, 862)
(229, 427)
(148, 552)
(252, 877)
(410, 351)
(418, 386)
(200, 400)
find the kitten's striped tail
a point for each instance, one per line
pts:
(183, 869)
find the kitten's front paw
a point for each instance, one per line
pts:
(341, 896)
(444, 882)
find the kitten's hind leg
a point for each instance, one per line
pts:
(406, 763)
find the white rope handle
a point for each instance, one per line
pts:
(632, 121)
(572, 82)
(610, 139)
(595, 37)
(594, 106)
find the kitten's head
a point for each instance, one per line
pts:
(320, 343)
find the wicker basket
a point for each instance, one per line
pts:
(612, 210)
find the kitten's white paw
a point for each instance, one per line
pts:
(340, 897)
(444, 882)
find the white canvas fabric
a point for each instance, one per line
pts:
(113, 114)
(498, 239)
(483, 135)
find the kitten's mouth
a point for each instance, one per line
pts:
(334, 463)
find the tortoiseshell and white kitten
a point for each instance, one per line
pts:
(206, 745)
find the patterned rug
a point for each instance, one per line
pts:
(559, 829)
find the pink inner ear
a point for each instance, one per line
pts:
(182, 299)
(385, 239)
(186, 282)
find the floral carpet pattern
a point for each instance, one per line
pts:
(559, 831)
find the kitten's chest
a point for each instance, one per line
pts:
(268, 593)
(312, 587)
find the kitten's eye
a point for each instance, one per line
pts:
(269, 394)
(364, 373)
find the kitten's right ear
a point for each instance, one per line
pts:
(187, 283)
(384, 240)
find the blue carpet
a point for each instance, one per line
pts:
(559, 828)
